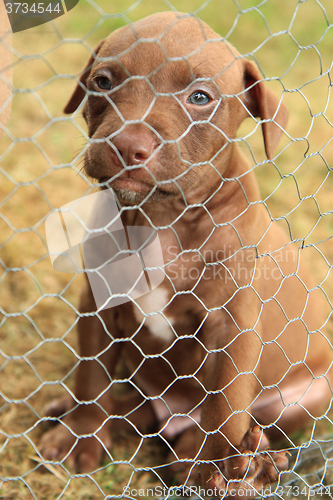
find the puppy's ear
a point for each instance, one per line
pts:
(79, 92)
(263, 103)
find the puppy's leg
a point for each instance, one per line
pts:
(292, 404)
(231, 387)
(80, 436)
(182, 458)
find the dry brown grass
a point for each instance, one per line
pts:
(38, 304)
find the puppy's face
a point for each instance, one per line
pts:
(162, 110)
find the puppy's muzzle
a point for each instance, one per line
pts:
(133, 148)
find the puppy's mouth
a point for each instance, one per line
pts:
(126, 182)
(133, 191)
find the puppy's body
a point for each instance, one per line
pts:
(233, 330)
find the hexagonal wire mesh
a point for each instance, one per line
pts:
(168, 356)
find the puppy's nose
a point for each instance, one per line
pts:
(134, 148)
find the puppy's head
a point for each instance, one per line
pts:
(165, 97)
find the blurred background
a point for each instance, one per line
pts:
(40, 169)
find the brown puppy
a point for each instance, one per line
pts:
(233, 330)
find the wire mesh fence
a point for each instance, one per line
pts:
(130, 394)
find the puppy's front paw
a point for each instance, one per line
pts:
(77, 441)
(245, 473)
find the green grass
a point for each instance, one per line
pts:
(35, 176)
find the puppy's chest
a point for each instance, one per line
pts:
(155, 320)
(153, 313)
(177, 307)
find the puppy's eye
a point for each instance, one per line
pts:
(104, 83)
(199, 98)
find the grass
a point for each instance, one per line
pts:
(289, 40)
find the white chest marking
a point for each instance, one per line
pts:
(153, 313)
